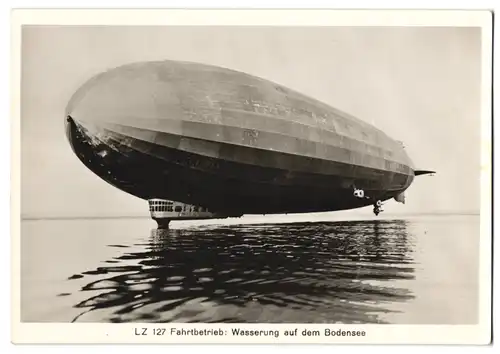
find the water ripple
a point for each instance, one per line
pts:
(310, 272)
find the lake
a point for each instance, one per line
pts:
(406, 270)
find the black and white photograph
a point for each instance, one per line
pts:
(234, 175)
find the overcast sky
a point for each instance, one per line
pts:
(419, 85)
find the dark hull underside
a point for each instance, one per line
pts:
(148, 170)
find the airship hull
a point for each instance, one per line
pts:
(228, 141)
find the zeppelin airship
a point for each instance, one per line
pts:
(201, 141)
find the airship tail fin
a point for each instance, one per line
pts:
(424, 172)
(400, 198)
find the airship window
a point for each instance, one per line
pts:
(178, 208)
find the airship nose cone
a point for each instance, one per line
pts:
(84, 139)
(70, 128)
(76, 134)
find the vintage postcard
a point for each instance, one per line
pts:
(252, 176)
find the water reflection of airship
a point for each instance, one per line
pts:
(224, 143)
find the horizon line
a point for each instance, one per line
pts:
(136, 216)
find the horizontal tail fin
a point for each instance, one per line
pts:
(424, 172)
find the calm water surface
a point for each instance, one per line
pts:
(418, 270)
